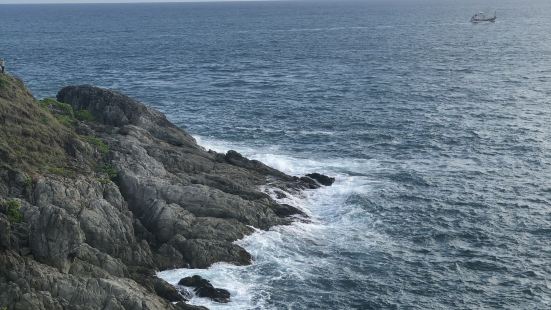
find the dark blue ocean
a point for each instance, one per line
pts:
(438, 131)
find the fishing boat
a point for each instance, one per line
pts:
(482, 17)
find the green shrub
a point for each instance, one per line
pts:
(44, 119)
(110, 171)
(62, 111)
(13, 210)
(101, 146)
(56, 170)
(57, 106)
(84, 115)
(28, 182)
(3, 84)
(65, 120)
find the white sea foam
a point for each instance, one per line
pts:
(294, 164)
(283, 252)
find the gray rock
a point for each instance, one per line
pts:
(89, 256)
(167, 257)
(27, 284)
(55, 237)
(218, 229)
(201, 253)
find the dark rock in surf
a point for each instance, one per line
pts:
(146, 277)
(203, 288)
(309, 183)
(286, 210)
(168, 291)
(280, 194)
(322, 179)
(239, 160)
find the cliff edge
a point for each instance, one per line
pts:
(99, 191)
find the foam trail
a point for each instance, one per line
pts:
(285, 252)
(293, 164)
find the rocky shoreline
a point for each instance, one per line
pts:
(99, 191)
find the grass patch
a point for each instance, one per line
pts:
(65, 120)
(38, 136)
(101, 146)
(57, 170)
(63, 112)
(84, 115)
(28, 182)
(3, 83)
(30, 137)
(13, 210)
(58, 107)
(110, 171)
(44, 119)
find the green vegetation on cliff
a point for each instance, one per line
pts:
(101, 146)
(65, 113)
(31, 138)
(39, 136)
(12, 208)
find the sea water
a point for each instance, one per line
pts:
(437, 130)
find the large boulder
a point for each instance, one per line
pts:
(114, 109)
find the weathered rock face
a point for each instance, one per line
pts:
(134, 194)
(174, 187)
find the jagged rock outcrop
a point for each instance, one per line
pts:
(174, 187)
(107, 192)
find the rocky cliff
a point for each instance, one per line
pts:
(98, 191)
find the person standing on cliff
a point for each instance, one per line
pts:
(2, 65)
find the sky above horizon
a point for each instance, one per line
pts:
(102, 1)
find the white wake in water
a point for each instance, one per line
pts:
(285, 252)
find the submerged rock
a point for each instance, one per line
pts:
(203, 288)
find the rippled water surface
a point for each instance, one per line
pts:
(438, 132)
